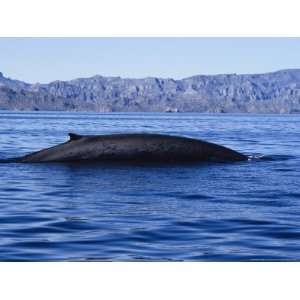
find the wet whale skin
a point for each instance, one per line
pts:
(133, 147)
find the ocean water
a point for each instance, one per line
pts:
(245, 211)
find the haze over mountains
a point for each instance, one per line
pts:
(277, 92)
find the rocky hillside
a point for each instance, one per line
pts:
(277, 92)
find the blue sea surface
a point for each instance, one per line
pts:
(244, 211)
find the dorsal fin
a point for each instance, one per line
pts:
(74, 136)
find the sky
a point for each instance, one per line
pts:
(48, 59)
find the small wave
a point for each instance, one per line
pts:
(270, 157)
(196, 197)
(285, 170)
(255, 157)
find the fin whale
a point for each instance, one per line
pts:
(132, 147)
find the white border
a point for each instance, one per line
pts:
(149, 18)
(144, 280)
(149, 281)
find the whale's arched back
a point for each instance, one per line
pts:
(144, 147)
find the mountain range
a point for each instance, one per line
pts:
(275, 92)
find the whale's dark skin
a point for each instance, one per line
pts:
(131, 148)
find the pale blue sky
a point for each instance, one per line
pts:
(47, 59)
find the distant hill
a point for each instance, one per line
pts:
(277, 92)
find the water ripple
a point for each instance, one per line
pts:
(210, 212)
